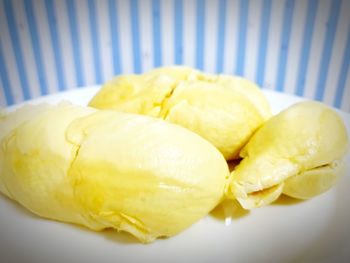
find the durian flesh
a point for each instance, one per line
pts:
(225, 110)
(104, 169)
(298, 152)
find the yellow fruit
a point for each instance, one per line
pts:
(297, 152)
(225, 110)
(105, 169)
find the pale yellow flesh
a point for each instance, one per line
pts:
(261, 198)
(298, 149)
(104, 169)
(313, 182)
(225, 110)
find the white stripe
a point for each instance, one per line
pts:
(231, 33)
(9, 57)
(105, 39)
(125, 36)
(210, 35)
(316, 49)
(167, 31)
(337, 53)
(86, 48)
(253, 38)
(2, 97)
(66, 44)
(27, 49)
(46, 45)
(189, 32)
(273, 44)
(295, 45)
(345, 105)
(146, 34)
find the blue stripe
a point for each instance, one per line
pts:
(264, 35)
(178, 9)
(5, 79)
(242, 33)
(283, 56)
(157, 46)
(113, 23)
(200, 34)
(327, 48)
(95, 41)
(55, 41)
(74, 34)
(134, 10)
(36, 46)
(306, 47)
(221, 37)
(22, 74)
(343, 73)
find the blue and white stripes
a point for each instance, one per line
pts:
(344, 73)
(200, 26)
(294, 46)
(264, 34)
(114, 26)
(75, 39)
(36, 46)
(327, 48)
(18, 52)
(157, 46)
(305, 53)
(178, 10)
(241, 49)
(95, 41)
(6, 86)
(55, 42)
(221, 36)
(284, 44)
(136, 44)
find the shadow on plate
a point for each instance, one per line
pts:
(120, 237)
(232, 208)
(18, 208)
(332, 244)
(109, 234)
(286, 200)
(229, 209)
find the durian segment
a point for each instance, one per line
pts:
(261, 198)
(225, 110)
(35, 157)
(298, 147)
(222, 116)
(105, 169)
(249, 90)
(142, 94)
(313, 182)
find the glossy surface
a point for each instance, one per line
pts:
(223, 109)
(316, 230)
(106, 169)
(298, 152)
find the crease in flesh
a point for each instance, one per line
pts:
(164, 113)
(117, 221)
(331, 165)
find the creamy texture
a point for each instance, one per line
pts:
(104, 169)
(297, 152)
(225, 110)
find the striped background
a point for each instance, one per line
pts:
(295, 46)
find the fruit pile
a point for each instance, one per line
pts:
(149, 156)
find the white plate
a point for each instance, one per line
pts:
(317, 230)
